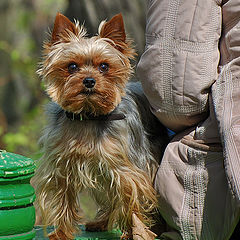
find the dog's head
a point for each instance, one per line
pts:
(87, 75)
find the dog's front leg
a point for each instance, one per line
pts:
(56, 235)
(68, 214)
(137, 196)
(57, 198)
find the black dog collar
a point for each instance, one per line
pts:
(84, 117)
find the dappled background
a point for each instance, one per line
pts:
(24, 25)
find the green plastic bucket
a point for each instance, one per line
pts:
(17, 214)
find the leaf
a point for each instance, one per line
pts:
(140, 231)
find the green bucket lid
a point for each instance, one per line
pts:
(14, 166)
(15, 174)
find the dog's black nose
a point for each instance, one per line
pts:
(89, 82)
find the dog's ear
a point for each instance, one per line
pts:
(114, 30)
(62, 26)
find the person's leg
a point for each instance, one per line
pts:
(194, 195)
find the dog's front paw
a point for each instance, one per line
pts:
(96, 226)
(59, 235)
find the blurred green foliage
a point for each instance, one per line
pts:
(25, 138)
(24, 24)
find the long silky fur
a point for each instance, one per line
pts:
(111, 159)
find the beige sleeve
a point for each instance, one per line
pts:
(181, 58)
(226, 92)
(178, 71)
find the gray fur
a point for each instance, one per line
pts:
(146, 136)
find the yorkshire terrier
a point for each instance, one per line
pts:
(101, 135)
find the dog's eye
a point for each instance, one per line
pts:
(103, 67)
(73, 67)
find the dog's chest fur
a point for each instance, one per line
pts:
(89, 150)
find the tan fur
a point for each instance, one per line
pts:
(119, 182)
(75, 157)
